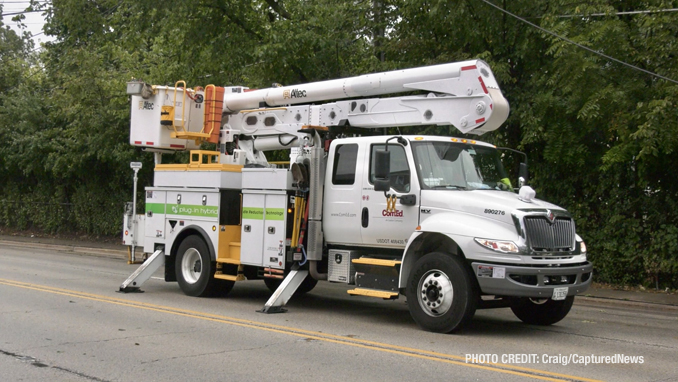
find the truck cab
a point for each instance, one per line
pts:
(451, 198)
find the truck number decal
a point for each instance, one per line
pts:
(494, 212)
(392, 241)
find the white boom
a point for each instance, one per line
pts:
(445, 78)
(463, 94)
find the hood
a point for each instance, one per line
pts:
(490, 204)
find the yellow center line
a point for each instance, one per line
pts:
(342, 340)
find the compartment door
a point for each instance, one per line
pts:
(252, 236)
(154, 226)
(274, 231)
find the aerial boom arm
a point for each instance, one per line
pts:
(445, 78)
(463, 94)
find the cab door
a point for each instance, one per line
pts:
(384, 224)
(341, 204)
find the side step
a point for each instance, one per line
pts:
(239, 277)
(377, 262)
(143, 273)
(219, 274)
(386, 295)
(376, 278)
(284, 292)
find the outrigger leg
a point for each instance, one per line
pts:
(284, 292)
(143, 273)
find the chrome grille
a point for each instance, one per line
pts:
(543, 236)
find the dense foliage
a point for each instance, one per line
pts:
(600, 135)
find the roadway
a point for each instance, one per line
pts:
(62, 320)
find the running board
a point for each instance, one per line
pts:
(385, 294)
(238, 277)
(284, 292)
(143, 273)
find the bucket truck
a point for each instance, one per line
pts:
(433, 219)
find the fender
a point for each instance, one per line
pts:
(464, 224)
(188, 230)
(450, 232)
(409, 258)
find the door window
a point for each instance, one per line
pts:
(399, 177)
(345, 159)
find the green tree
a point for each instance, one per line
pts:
(600, 135)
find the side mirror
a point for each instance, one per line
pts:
(523, 174)
(382, 185)
(382, 164)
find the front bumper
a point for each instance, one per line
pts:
(536, 282)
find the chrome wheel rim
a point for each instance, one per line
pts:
(191, 266)
(435, 293)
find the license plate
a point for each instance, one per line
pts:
(559, 293)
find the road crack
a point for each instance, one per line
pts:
(104, 340)
(214, 353)
(37, 363)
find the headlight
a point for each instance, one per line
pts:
(582, 245)
(498, 245)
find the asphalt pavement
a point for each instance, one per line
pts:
(597, 294)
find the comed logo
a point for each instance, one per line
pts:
(395, 213)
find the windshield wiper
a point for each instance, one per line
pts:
(448, 187)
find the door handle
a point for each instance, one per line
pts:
(365, 217)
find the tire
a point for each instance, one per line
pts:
(441, 294)
(194, 268)
(306, 286)
(541, 311)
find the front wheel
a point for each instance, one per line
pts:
(195, 271)
(441, 295)
(541, 311)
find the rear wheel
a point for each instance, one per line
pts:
(441, 295)
(543, 311)
(194, 267)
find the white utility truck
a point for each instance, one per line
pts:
(435, 219)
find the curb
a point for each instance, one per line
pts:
(587, 300)
(98, 252)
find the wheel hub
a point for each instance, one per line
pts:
(432, 292)
(436, 293)
(191, 265)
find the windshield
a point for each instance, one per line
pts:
(459, 166)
